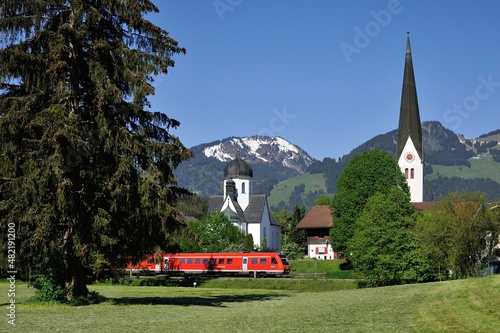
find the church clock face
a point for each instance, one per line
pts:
(409, 157)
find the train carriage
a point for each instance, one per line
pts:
(250, 263)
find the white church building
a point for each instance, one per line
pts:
(250, 213)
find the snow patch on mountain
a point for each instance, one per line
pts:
(217, 151)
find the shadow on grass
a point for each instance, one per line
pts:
(212, 301)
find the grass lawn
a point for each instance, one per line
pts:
(453, 306)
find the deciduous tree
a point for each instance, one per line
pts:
(215, 233)
(383, 245)
(366, 174)
(461, 230)
(292, 239)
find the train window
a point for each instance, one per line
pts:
(197, 261)
(254, 260)
(212, 261)
(190, 261)
(221, 261)
(229, 261)
(274, 261)
(205, 261)
(183, 261)
(262, 261)
(284, 259)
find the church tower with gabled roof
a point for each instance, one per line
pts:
(410, 149)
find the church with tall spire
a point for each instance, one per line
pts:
(410, 148)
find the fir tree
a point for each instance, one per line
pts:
(86, 167)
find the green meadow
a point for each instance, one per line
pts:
(267, 305)
(484, 167)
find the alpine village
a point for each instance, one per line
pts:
(104, 211)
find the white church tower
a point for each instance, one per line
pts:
(410, 150)
(241, 173)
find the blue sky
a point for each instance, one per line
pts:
(327, 75)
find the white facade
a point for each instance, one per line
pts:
(265, 229)
(412, 167)
(243, 191)
(320, 251)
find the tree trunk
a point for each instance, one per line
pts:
(78, 285)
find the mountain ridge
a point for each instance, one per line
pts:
(274, 159)
(260, 148)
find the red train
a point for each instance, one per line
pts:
(252, 263)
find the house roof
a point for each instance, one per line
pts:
(317, 217)
(435, 205)
(428, 205)
(187, 218)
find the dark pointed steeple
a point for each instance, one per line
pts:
(409, 116)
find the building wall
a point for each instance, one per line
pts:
(318, 244)
(413, 170)
(265, 229)
(321, 252)
(254, 229)
(276, 238)
(243, 191)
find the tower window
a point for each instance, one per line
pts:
(412, 175)
(406, 173)
(243, 188)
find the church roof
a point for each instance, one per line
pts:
(252, 214)
(409, 116)
(255, 210)
(215, 204)
(317, 217)
(238, 168)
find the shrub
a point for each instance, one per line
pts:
(48, 289)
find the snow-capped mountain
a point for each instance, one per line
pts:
(273, 159)
(260, 149)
